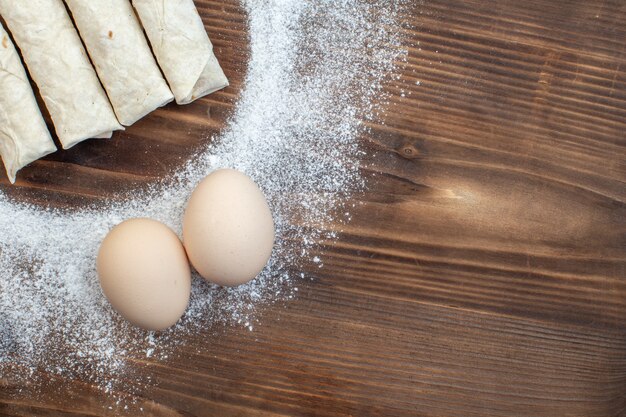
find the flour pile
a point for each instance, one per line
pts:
(316, 71)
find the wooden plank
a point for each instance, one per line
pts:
(484, 271)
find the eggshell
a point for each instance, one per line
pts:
(144, 273)
(228, 230)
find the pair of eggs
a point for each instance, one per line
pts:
(228, 236)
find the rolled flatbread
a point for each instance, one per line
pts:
(182, 47)
(24, 136)
(58, 64)
(119, 50)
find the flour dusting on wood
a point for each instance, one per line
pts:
(315, 76)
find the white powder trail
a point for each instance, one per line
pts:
(316, 72)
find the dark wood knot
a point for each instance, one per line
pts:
(408, 151)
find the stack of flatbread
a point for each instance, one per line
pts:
(118, 77)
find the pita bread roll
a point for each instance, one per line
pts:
(120, 52)
(24, 136)
(182, 47)
(58, 63)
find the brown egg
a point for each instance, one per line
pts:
(228, 230)
(144, 273)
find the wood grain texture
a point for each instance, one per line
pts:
(484, 271)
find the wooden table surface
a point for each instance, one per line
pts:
(484, 273)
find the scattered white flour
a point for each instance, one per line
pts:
(315, 74)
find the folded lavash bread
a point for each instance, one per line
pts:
(58, 64)
(24, 136)
(120, 52)
(182, 47)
